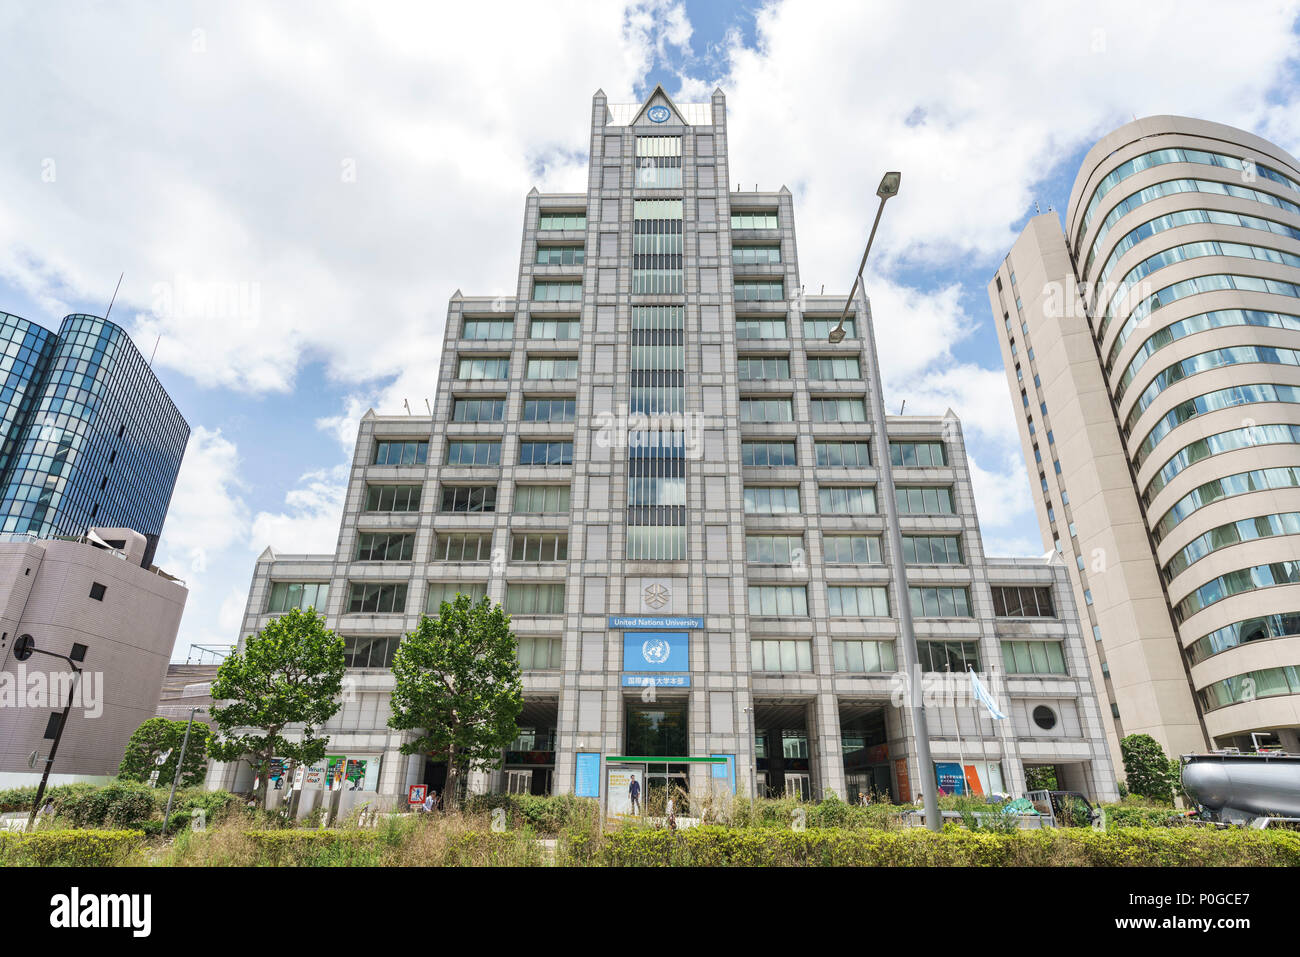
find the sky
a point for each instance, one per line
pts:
(292, 192)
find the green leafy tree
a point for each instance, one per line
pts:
(1147, 770)
(155, 737)
(457, 685)
(289, 673)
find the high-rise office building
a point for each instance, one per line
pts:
(88, 435)
(653, 457)
(1153, 353)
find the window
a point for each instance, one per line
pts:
(767, 454)
(949, 655)
(1045, 717)
(554, 329)
(931, 550)
(656, 543)
(539, 653)
(1237, 583)
(657, 246)
(559, 367)
(484, 367)
(755, 255)
(374, 598)
(469, 498)
(1020, 601)
(401, 453)
(857, 601)
(773, 549)
(545, 453)
(384, 547)
(821, 328)
(561, 255)
(392, 498)
(97, 591)
(834, 367)
(447, 591)
(864, 657)
(924, 501)
(539, 547)
(838, 410)
(659, 162)
(550, 410)
(845, 455)
(781, 655)
(534, 599)
(488, 329)
(539, 499)
(939, 602)
(303, 595)
(754, 328)
(1034, 657)
(1241, 632)
(557, 220)
(760, 290)
(758, 368)
(846, 499)
(766, 410)
(771, 500)
(917, 454)
(658, 354)
(463, 547)
(478, 410)
(473, 453)
(754, 219)
(852, 549)
(779, 601)
(369, 651)
(545, 290)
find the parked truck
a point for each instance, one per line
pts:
(1259, 789)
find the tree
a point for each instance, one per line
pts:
(1147, 771)
(289, 673)
(157, 736)
(457, 684)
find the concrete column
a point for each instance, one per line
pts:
(824, 722)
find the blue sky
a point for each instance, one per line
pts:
(337, 170)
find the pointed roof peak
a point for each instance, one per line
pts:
(370, 414)
(598, 93)
(268, 554)
(645, 105)
(534, 192)
(718, 92)
(456, 295)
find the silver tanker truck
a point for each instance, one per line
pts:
(1234, 788)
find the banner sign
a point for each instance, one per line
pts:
(637, 621)
(656, 651)
(656, 681)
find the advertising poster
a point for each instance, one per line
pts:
(724, 774)
(355, 776)
(625, 791)
(334, 766)
(950, 778)
(278, 774)
(314, 776)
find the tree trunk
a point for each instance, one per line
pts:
(450, 790)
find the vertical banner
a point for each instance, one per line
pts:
(904, 783)
(625, 791)
(724, 774)
(334, 765)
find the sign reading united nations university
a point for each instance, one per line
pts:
(649, 621)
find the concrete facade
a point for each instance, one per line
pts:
(1153, 351)
(48, 589)
(658, 310)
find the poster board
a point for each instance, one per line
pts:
(625, 792)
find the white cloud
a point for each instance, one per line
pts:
(310, 522)
(207, 513)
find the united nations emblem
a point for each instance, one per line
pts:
(655, 651)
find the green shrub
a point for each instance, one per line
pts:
(120, 804)
(544, 815)
(71, 848)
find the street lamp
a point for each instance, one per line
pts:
(911, 657)
(888, 188)
(24, 648)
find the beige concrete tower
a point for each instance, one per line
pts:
(1153, 353)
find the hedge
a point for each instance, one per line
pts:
(544, 814)
(71, 848)
(710, 846)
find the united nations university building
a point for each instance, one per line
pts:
(655, 459)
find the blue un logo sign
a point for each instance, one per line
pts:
(655, 651)
(658, 114)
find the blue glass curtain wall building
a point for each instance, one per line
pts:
(90, 435)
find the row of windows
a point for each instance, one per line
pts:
(1245, 530)
(868, 657)
(1263, 628)
(1248, 437)
(1237, 583)
(770, 410)
(521, 598)
(1212, 402)
(477, 453)
(1240, 483)
(1265, 683)
(753, 327)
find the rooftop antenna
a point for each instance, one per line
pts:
(114, 299)
(155, 348)
(1036, 209)
(427, 406)
(407, 404)
(902, 407)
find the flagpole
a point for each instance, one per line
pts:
(979, 729)
(961, 748)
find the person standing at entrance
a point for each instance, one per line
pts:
(634, 794)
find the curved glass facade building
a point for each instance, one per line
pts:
(91, 438)
(1153, 349)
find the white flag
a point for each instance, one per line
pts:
(983, 697)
